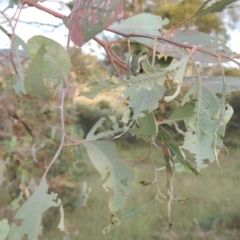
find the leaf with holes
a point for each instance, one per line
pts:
(215, 83)
(96, 87)
(143, 95)
(204, 130)
(115, 129)
(90, 17)
(145, 90)
(175, 150)
(202, 41)
(30, 214)
(115, 177)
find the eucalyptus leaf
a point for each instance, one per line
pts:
(144, 92)
(218, 6)
(148, 127)
(30, 221)
(182, 113)
(115, 129)
(204, 42)
(134, 212)
(215, 83)
(4, 228)
(143, 23)
(115, 177)
(85, 22)
(17, 55)
(201, 128)
(56, 61)
(34, 79)
(175, 150)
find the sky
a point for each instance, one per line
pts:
(59, 34)
(34, 16)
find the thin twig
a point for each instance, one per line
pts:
(62, 135)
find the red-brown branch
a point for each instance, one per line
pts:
(106, 45)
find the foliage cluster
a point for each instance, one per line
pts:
(155, 73)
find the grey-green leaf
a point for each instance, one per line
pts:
(200, 135)
(148, 126)
(115, 129)
(215, 83)
(174, 149)
(56, 62)
(136, 211)
(115, 177)
(143, 23)
(182, 113)
(144, 92)
(31, 213)
(34, 79)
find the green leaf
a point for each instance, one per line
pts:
(15, 204)
(4, 229)
(200, 40)
(148, 126)
(134, 212)
(215, 7)
(115, 177)
(182, 113)
(115, 129)
(56, 61)
(215, 83)
(29, 216)
(144, 23)
(180, 68)
(144, 92)
(14, 144)
(201, 128)
(96, 87)
(34, 79)
(17, 59)
(4, 31)
(92, 91)
(179, 167)
(174, 149)
(65, 21)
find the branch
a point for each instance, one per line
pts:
(62, 134)
(186, 46)
(113, 58)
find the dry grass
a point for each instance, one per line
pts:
(211, 212)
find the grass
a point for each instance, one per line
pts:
(211, 212)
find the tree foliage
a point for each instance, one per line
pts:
(156, 73)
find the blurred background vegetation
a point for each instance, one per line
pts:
(30, 136)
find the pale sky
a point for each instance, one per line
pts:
(26, 31)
